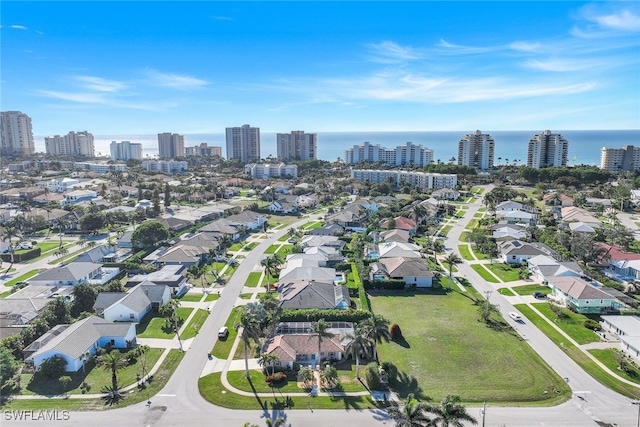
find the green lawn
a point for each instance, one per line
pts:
(254, 279)
(212, 297)
(530, 289)
(22, 278)
(211, 389)
(249, 246)
(236, 246)
(577, 355)
(195, 324)
(312, 224)
(445, 230)
(465, 252)
(572, 325)
(191, 297)
(472, 224)
(246, 296)
(484, 273)
(47, 246)
(95, 376)
(160, 379)
(608, 357)
(464, 236)
(506, 291)
(272, 249)
(447, 350)
(152, 325)
(504, 271)
(284, 249)
(222, 348)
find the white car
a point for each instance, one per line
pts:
(515, 316)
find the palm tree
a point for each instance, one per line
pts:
(451, 412)
(412, 413)
(451, 260)
(113, 361)
(267, 359)
(61, 224)
(376, 329)
(320, 331)
(271, 266)
(250, 330)
(359, 343)
(9, 231)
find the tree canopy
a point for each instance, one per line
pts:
(149, 234)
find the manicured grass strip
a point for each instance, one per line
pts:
(506, 292)
(222, 348)
(236, 246)
(484, 273)
(153, 326)
(530, 289)
(5, 294)
(246, 296)
(464, 236)
(284, 249)
(211, 389)
(572, 325)
(249, 246)
(577, 355)
(22, 277)
(254, 279)
(472, 224)
(195, 324)
(272, 249)
(212, 297)
(504, 271)
(348, 382)
(191, 297)
(439, 329)
(465, 252)
(608, 358)
(445, 230)
(284, 238)
(478, 215)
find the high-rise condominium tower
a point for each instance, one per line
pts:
(243, 143)
(16, 134)
(170, 145)
(75, 144)
(626, 158)
(476, 150)
(406, 154)
(125, 150)
(297, 145)
(546, 150)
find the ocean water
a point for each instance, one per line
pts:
(584, 146)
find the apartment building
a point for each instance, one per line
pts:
(626, 158)
(170, 145)
(399, 178)
(203, 150)
(297, 145)
(271, 170)
(73, 144)
(125, 150)
(476, 150)
(546, 150)
(406, 154)
(243, 143)
(16, 134)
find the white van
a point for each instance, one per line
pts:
(223, 332)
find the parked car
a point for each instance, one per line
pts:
(223, 332)
(539, 295)
(515, 316)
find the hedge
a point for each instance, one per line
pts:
(315, 314)
(391, 285)
(22, 256)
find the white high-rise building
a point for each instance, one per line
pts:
(476, 150)
(74, 144)
(406, 154)
(626, 158)
(170, 145)
(399, 178)
(546, 150)
(125, 150)
(243, 143)
(297, 145)
(16, 134)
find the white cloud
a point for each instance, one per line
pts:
(104, 99)
(525, 46)
(389, 52)
(99, 84)
(625, 20)
(18, 27)
(560, 65)
(175, 81)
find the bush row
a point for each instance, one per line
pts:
(22, 256)
(392, 284)
(314, 314)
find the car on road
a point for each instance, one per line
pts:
(539, 295)
(515, 316)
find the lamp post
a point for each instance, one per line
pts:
(637, 403)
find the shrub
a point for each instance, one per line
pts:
(313, 315)
(395, 332)
(372, 376)
(592, 324)
(276, 378)
(53, 367)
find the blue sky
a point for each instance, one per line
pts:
(147, 67)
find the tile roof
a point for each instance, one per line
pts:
(312, 294)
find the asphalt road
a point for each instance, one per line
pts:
(180, 403)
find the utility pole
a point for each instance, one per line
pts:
(484, 411)
(637, 403)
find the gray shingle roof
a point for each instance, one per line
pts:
(308, 294)
(70, 272)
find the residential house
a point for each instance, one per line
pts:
(124, 241)
(581, 227)
(222, 227)
(395, 250)
(304, 294)
(509, 206)
(306, 269)
(517, 251)
(401, 223)
(99, 254)
(627, 269)
(565, 201)
(576, 214)
(627, 329)
(327, 230)
(414, 271)
(332, 255)
(395, 235)
(504, 231)
(446, 194)
(543, 267)
(519, 217)
(351, 217)
(75, 273)
(77, 196)
(581, 296)
(170, 275)
(284, 205)
(249, 219)
(316, 241)
(131, 306)
(73, 342)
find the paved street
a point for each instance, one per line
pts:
(180, 403)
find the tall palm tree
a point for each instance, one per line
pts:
(113, 361)
(451, 260)
(451, 412)
(376, 329)
(61, 224)
(250, 330)
(271, 266)
(267, 359)
(9, 231)
(320, 331)
(359, 343)
(411, 413)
